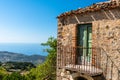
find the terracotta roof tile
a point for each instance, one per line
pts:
(92, 8)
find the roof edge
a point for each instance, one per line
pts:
(95, 7)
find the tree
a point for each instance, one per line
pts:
(52, 50)
(46, 70)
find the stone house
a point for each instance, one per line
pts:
(89, 43)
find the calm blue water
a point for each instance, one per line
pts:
(23, 48)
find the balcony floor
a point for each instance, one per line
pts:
(87, 69)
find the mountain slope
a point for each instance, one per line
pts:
(16, 57)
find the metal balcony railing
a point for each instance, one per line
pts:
(80, 59)
(92, 61)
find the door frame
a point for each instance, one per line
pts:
(78, 55)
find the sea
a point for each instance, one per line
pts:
(24, 48)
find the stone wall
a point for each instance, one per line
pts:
(66, 37)
(106, 35)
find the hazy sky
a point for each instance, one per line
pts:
(33, 21)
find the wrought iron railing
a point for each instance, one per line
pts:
(80, 59)
(92, 61)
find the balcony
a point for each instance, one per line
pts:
(91, 61)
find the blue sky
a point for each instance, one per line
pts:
(33, 21)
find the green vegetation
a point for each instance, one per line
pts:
(18, 66)
(3, 72)
(47, 70)
(14, 76)
(15, 70)
(44, 71)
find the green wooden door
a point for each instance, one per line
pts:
(84, 43)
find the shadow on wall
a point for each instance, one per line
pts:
(99, 77)
(80, 78)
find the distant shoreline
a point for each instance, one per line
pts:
(19, 53)
(24, 48)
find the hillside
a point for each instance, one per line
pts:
(16, 57)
